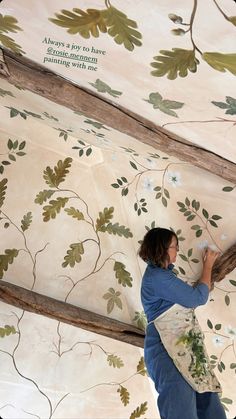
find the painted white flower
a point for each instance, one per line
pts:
(174, 178)
(218, 341)
(231, 331)
(202, 245)
(114, 156)
(150, 163)
(148, 184)
(223, 237)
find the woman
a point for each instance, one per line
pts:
(174, 351)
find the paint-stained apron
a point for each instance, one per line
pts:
(183, 339)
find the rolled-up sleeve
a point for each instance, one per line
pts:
(173, 289)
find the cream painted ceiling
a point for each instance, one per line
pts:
(51, 370)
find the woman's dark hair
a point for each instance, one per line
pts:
(155, 245)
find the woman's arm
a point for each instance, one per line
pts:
(209, 259)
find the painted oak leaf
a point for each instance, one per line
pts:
(26, 221)
(141, 320)
(117, 229)
(9, 43)
(54, 207)
(7, 330)
(164, 105)
(139, 411)
(115, 361)
(75, 213)
(123, 276)
(104, 218)
(229, 105)
(54, 177)
(7, 259)
(3, 188)
(174, 63)
(121, 28)
(113, 298)
(85, 23)
(104, 88)
(8, 24)
(221, 62)
(43, 196)
(73, 255)
(141, 368)
(124, 395)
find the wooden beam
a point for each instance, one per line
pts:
(42, 81)
(225, 264)
(67, 313)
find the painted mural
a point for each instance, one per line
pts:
(76, 197)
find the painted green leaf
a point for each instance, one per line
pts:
(124, 395)
(141, 368)
(104, 88)
(3, 188)
(230, 105)
(34, 115)
(165, 105)
(174, 63)
(139, 411)
(227, 300)
(73, 255)
(123, 276)
(115, 361)
(178, 32)
(113, 298)
(209, 324)
(226, 400)
(122, 29)
(221, 62)
(175, 18)
(232, 19)
(4, 93)
(7, 330)
(26, 221)
(9, 43)
(228, 189)
(54, 207)
(8, 24)
(7, 259)
(75, 213)
(117, 229)
(104, 217)
(141, 320)
(96, 124)
(205, 213)
(43, 196)
(54, 177)
(85, 23)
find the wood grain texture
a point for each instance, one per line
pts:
(38, 79)
(67, 313)
(224, 264)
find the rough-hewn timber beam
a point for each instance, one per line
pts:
(224, 264)
(68, 313)
(38, 79)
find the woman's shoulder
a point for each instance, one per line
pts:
(156, 271)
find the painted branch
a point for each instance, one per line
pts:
(224, 264)
(70, 314)
(38, 79)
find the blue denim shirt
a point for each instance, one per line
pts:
(161, 289)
